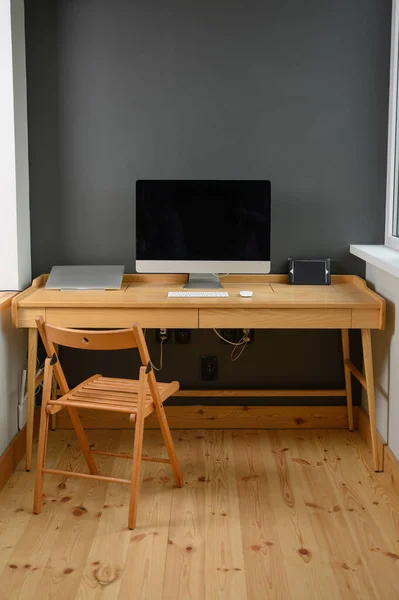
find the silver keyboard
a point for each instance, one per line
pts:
(198, 294)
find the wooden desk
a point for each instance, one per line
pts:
(346, 304)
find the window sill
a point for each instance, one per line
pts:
(383, 257)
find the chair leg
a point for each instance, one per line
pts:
(135, 481)
(84, 444)
(170, 447)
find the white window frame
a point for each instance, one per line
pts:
(392, 200)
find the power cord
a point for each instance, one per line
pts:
(39, 369)
(242, 342)
(234, 358)
(163, 339)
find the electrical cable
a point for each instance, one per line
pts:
(242, 342)
(241, 351)
(163, 338)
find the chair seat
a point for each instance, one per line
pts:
(114, 394)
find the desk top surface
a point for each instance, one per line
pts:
(5, 299)
(150, 291)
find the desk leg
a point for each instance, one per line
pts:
(348, 382)
(368, 372)
(31, 381)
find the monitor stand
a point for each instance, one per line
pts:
(203, 281)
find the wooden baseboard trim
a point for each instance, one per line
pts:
(364, 430)
(14, 452)
(265, 393)
(391, 468)
(224, 417)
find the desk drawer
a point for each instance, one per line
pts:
(368, 318)
(123, 317)
(276, 318)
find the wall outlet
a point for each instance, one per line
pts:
(22, 406)
(162, 333)
(209, 368)
(182, 336)
(232, 335)
(22, 411)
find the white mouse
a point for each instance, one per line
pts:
(245, 293)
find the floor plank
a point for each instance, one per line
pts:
(329, 507)
(17, 498)
(284, 515)
(31, 556)
(185, 561)
(109, 547)
(144, 569)
(83, 500)
(224, 560)
(265, 571)
(377, 545)
(306, 569)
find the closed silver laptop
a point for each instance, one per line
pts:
(85, 277)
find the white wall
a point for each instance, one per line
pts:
(386, 358)
(15, 261)
(12, 363)
(21, 144)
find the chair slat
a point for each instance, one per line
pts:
(112, 396)
(117, 386)
(89, 400)
(122, 388)
(96, 406)
(168, 390)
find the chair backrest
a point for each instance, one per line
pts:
(83, 339)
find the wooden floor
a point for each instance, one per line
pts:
(263, 514)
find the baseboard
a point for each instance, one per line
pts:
(391, 468)
(14, 452)
(364, 430)
(223, 417)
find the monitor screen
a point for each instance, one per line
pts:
(197, 220)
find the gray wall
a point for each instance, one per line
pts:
(295, 92)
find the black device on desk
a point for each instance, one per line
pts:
(309, 271)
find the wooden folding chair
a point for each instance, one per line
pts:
(138, 398)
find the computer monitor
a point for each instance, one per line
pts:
(203, 228)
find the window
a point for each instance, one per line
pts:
(392, 205)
